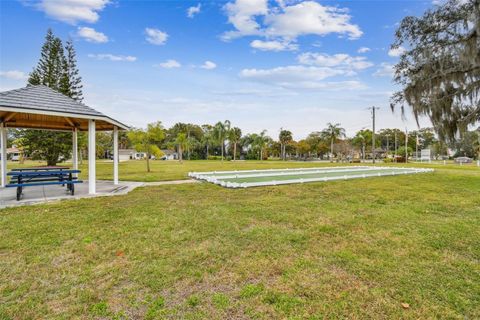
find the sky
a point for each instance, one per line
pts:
(261, 64)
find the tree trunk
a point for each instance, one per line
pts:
(52, 160)
(188, 146)
(223, 142)
(180, 157)
(148, 162)
(331, 150)
(234, 151)
(207, 153)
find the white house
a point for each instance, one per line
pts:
(125, 154)
(169, 155)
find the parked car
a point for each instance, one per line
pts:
(463, 160)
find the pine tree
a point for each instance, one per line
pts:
(59, 72)
(75, 81)
(38, 74)
(34, 78)
(50, 70)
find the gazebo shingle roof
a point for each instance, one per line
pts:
(40, 107)
(41, 97)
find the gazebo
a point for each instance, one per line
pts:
(40, 107)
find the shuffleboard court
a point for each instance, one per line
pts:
(254, 178)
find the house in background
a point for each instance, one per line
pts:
(131, 154)
(125, 154)
(138, 155)
(169, 155)
(141, 156)
(14, 153)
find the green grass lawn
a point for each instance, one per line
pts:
(404, 247)
(136, 170)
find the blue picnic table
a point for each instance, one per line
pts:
(42, 176)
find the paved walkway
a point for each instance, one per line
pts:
(44, 194)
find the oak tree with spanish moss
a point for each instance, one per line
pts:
(439, 71)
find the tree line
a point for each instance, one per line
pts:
(222, 141)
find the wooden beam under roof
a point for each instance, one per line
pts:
(9, 116)
(70, 122)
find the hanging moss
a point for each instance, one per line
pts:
(440, 70)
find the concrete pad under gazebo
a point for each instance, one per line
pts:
(40, 107)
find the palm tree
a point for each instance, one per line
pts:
(207, 137)
(333, 132)
(221, 130)
(182, 142)
(189, 142)
(234, 137)
(361, 137)
(261, 141)
(285, 137)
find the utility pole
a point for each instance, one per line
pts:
(388, 144)
(416, 148)
(395, 157)
(406, 145)
(373, 133)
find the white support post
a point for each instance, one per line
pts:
(75, 150)
(3, 153)
(115, 155)
(91, 158)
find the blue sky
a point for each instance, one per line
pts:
(261, 64)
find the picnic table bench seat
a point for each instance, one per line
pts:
(42, 176)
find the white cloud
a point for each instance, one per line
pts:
(336, 60)
(363, 50)
(13, 75)
(73, 11)
(169, 64)
(329, 85)
(91, 35)
(287, 22)
(155, 36)
(273, 45)
(111, 57)
(241, 14)
(192, 11)
(290, 74)
(312, 73)
(300, 77)
(397, 52)
(208, 65)
(385, 70)
(310, 17)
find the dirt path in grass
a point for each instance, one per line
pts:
(161, 183)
